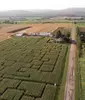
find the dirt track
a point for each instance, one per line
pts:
(70, 81)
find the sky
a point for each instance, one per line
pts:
(39, 4)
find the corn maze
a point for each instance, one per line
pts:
(31, 68)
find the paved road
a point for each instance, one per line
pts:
(70, 82)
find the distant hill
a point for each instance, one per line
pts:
(74, 12)
(29, 13)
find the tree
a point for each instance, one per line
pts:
(58, 34)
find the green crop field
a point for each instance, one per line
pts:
(31, 68)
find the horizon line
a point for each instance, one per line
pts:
(41, 9)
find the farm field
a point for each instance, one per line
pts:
(82, 71)
(81, 65)
(35, 28)
(4, 36)
(81, 24)
(8, 28)
(31, 68)
(11, 28)
(4, 25)
(46, 27)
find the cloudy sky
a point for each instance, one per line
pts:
(39, 4)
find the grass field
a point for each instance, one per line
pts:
(82, 73)
(31, 68)
(80, 79)
(81, 24)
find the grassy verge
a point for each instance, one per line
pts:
(77, 85)
(62, 87)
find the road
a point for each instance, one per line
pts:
(70, 80)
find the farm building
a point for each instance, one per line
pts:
(41, 34)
